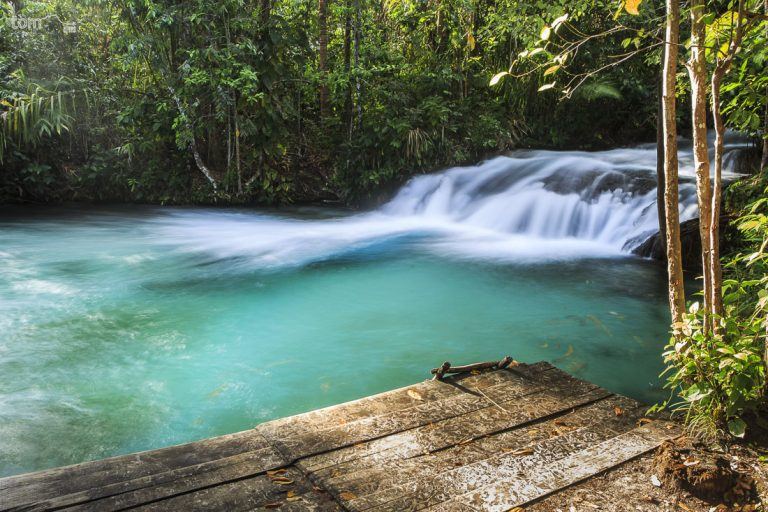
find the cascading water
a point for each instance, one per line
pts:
(605, 197)
(531, 205)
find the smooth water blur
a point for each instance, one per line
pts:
(135, 328)
(130, 329)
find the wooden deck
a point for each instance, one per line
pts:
(490, 441)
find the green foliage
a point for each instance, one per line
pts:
(717, 377)
(31, 116)
(720, 378)
(147, 80)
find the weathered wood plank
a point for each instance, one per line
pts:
(402, 429)
(254, 493)
(455, 429)
(509, 491)
(42, 485)
(403, 477)
(472, 442)
(441, 482)
(159, 485)
(395, 400)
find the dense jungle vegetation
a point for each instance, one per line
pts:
(287, 101)
(284, 101)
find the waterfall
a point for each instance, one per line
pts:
(608, 197)
(530, 205)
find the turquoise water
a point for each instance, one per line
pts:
(130, 329)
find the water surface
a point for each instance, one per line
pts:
(131, 329)
(125, 329)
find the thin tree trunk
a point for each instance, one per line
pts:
(660, 182)
(266, 8)
(716, 271)
(192, 144)
(697, 72)
(722, 67)
(322, 55)
(237, 152)
(358, 83)
(348, 118)
(764, 159)
(671, 200)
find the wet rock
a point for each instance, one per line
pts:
(653, 247)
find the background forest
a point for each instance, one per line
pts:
(235, 101)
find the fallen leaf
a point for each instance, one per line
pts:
(415, 395)
(560, 423)
(293, 498)
(281, 480)
(618, 410)
(521, 451)
(685, 507)
(276, 472)
(644, 421)
(290, 494)
(655, 481)
(347, 496)
(466, 441)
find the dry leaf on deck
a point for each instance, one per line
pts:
(521, 451)
(415, 395)
(276, 472)
(347, 496)
(618, 410)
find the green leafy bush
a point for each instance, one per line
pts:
(717, 379)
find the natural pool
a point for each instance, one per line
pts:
(128, 329)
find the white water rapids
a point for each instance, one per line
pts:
(529, 206)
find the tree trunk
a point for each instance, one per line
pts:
(192, 144)
(722, 66)
(660, 186)
(716, 271)
(671, 200)
(764, 159)
(322, 55)
(266, 8)
(697, 72)
(237, 153)
(347, 67)
(358, 83)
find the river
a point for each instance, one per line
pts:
(130, 328)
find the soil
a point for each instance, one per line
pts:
(681, 476)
